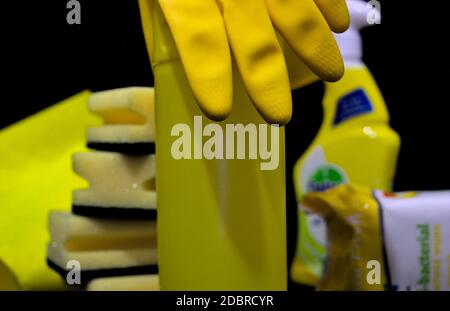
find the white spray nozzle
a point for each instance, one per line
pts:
(362, 14)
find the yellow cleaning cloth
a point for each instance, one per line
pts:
(8, 281)
(36, 177)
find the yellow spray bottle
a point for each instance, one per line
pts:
(354, 144)
(221, 220)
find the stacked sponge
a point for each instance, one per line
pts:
(111, 233)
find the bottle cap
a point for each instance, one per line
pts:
(362, 14)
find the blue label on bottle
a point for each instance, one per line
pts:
(351, 105)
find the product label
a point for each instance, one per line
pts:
(416, 230)
(351, 105)
(325, 177)
(316, 175)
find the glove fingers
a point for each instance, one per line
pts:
(299, 73)
(259, 58)
(336, 13)
(307, 32)
(200, 37)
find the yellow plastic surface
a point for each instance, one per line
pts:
(36, 177)
(221, 223)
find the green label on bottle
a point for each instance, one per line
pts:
(326, 177)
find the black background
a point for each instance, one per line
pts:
(46, 60)
(76, 300)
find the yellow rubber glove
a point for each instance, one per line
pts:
(205, 30)
(36, 177)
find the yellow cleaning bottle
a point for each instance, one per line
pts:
(354, 144)
(221, 220)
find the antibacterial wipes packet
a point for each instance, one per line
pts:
(384, 241)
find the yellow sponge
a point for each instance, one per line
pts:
(101, 247)
(148, 282)
(119, 186)
(129, 121)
